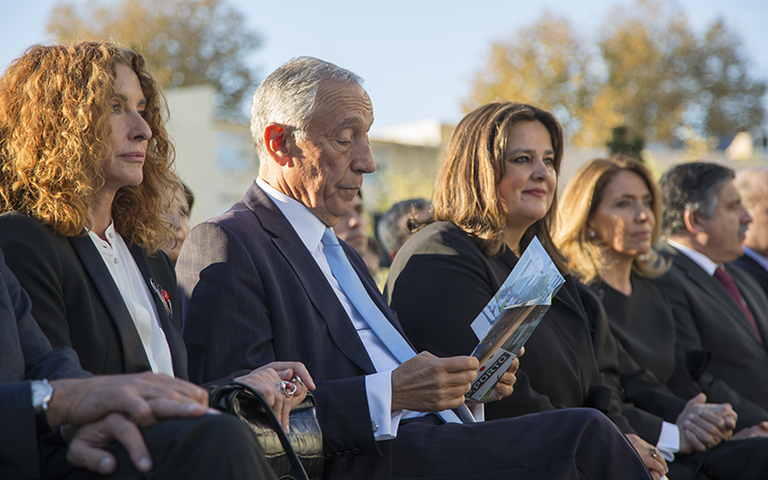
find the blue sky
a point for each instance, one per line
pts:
(417, 57)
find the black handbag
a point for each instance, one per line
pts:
(294, 456)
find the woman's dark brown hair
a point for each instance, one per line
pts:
(466, 192)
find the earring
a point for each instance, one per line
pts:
(591, 233)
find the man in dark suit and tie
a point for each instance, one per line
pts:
(719, 310)
(752, 184)
(268, 280)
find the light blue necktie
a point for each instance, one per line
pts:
(357, 294)
(360, 298)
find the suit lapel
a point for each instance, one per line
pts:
(710, 286)
(311, 277)
(164, 313)
(134, 355)
(753, 302)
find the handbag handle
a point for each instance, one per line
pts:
(296, 465)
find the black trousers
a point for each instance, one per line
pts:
(212, 446)
(732, 460)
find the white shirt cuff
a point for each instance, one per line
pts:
(478, 411)
(669, 441)
(378, 388)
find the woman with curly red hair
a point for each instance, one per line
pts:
(86, 181)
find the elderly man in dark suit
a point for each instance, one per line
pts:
(752, 184)
(719, 310)
(98, 411)
(268, 280)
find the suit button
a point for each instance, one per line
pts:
(355, 451)
(328, 456)
(337, 454)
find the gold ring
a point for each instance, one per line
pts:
(654, 452)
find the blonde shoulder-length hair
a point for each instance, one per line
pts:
(466, 192)
(581, 198)
(55, 104)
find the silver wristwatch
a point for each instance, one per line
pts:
(42, 392)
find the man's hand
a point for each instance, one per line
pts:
(87, 443)
(759, 430)
(426, 383)
(144, 397)
(266, 380)
(506, 384)
(704, 425)
(656, 465)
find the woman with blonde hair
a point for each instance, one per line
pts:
(610, 218)
(497, 190)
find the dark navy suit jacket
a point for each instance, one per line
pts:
(25, 355)
(707, 318)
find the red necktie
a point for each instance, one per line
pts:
(723, 277)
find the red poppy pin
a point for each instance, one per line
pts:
(163, 296)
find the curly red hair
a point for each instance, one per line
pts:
(54, 135)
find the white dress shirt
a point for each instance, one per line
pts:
(137, 297)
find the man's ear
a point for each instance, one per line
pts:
(693, 222)
(276, 143)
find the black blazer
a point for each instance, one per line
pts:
(757, 271)
(440, 281)
(76, 302)
(644, 326)
(707, 318)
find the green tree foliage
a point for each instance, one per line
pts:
(623, 143)
(185, 42)
(648, 71)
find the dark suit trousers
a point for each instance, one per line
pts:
(563, 444)
(210, 447)
(732, 460)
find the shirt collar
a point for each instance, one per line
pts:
(756, 257)
(309, 228)
(699, 258)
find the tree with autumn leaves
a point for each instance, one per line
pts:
(185, 42)
(647, 72)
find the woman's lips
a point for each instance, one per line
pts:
(536, 192)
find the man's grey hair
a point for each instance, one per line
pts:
(691, 187)
(389, 232)
(287, 96)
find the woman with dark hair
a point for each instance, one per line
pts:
(497, 190)
(610, 219)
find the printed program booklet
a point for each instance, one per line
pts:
(512, 315)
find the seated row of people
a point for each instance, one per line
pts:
(267, 287)
(493, 195)
(85, 180)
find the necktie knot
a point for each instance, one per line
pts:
(329, 238)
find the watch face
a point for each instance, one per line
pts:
(41, 394)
